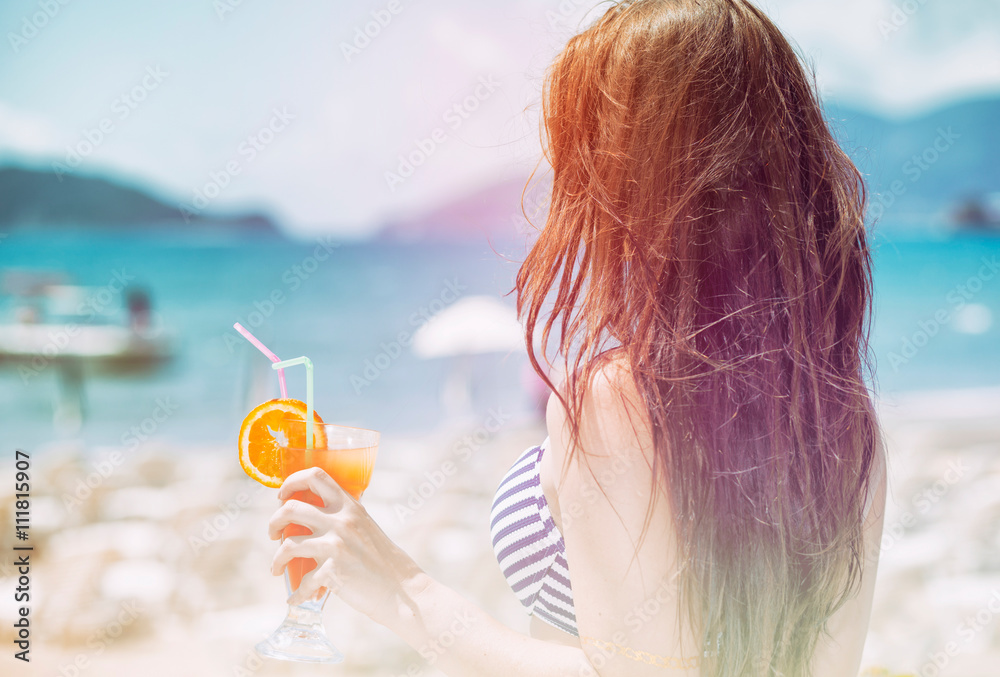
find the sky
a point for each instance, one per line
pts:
(304, 109)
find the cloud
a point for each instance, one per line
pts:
(897, 57)
(24, 134)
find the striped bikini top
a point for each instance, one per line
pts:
(530, 549)
(528, 545)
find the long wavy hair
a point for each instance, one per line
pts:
(704, 221)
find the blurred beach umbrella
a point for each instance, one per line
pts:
(473, 325)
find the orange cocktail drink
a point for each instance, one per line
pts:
(347, 456)
(278, 438)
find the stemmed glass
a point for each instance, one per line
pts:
(348, 456)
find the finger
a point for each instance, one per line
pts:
(278, 569)
(295, 512)
(317, 481)
(320, 577)
(307, 547)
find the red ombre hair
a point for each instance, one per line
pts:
(704, 220)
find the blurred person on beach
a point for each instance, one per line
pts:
(714, 480)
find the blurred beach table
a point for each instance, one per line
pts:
(76, 330)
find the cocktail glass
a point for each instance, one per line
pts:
(348, 457)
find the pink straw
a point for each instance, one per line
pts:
(271, 356)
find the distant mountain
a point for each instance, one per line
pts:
(926, 166)
(37, 198)
(491, 212)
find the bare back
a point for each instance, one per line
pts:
(614, 591)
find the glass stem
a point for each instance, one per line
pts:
(309, 612)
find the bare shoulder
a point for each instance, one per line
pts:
(614, 421)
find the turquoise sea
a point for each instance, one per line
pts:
(937, 326)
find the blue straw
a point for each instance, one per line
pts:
(309, 392)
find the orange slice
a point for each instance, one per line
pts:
(260, 448)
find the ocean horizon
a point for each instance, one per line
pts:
(346, 304)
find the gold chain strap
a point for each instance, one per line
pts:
(669, 662)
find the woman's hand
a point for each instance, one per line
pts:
(354, 557)
(359, 563)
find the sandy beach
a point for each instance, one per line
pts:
(156, 563)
